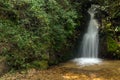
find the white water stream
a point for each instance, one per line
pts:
(90, 42)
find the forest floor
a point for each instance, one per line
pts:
(107, 70)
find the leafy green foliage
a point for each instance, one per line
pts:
(31, 30)
(112, 44)
(113, 48)
(111, 26)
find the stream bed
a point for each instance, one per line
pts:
(106, 70)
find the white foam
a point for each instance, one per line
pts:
(87, 61)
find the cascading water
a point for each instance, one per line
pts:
(90, 39)
(89, 46)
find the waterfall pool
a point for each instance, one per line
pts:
(87, 61)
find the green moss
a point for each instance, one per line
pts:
(111, 44)
(113, 48)
(40, 64)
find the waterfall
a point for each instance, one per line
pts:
(91, 38)
(90, 42)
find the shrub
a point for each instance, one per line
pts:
(36, 29)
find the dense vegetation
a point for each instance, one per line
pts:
(39, 33)
(110, 29)
(34, 32)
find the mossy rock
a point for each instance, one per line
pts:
(111, 44)
(113, 48)
(40, 64)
